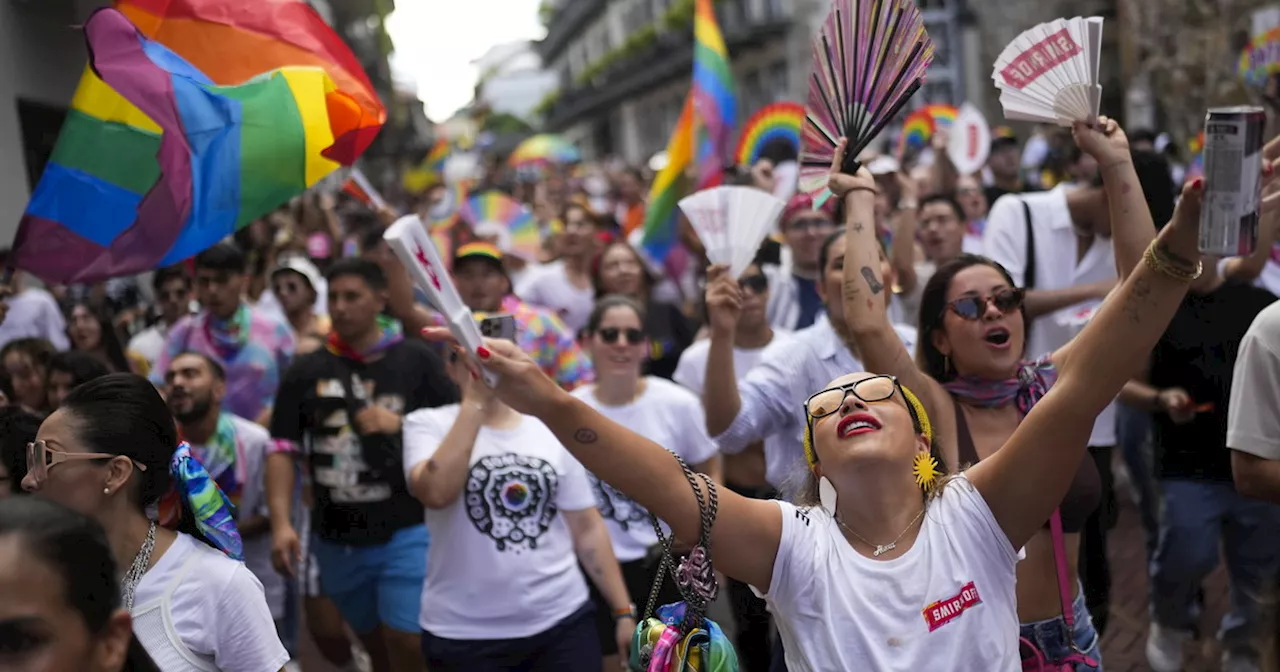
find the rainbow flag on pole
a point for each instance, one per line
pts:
(707, 121)
(158, 160)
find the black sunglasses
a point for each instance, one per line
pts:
(611, 335)
(973, 307)
(756, 284)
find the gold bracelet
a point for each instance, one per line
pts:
(1159, 263)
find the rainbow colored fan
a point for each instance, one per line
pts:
(779, 121)
(919, 126)
(500, 219)
(868, 60)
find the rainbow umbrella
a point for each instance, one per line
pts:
(496, 216)
(779, 120)
(543, 150)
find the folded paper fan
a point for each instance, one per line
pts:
(970, 140)
(731, 222)
(497, 217)
(1049, 74)
(868, 60)
(779, 121)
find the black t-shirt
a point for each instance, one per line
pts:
(1197, 353)
(669, 332)
(359, 486)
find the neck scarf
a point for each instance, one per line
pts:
(230, 335)
(389, 333)
(1031, 382)
(195, 493)
(221, 459)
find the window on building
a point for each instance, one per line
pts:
(776, 85)
(941, 34)
(933, 4)
(938, 91)
(775, 10)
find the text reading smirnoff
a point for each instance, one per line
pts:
(943, 612)
(1042, 57)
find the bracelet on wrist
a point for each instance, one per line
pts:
(629, 612)
(1161, 264)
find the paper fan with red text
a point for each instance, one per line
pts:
(869, 58)
(1049, 74)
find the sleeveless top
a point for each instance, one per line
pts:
(1082, 498)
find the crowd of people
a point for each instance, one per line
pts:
(900, 430)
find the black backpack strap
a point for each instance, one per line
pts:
(1029, 277)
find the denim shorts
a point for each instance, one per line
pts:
(376, 585)
(1050, 636)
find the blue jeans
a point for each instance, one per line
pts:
(1051, 636)
(1133, 432)
(1197, 516)
(376, 585)
(568, 646)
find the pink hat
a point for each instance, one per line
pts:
(801, 203)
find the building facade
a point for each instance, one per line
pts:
(512, 79)
(623, 66)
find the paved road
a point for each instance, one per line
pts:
(1123, 645)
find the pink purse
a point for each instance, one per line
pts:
(1033, 659)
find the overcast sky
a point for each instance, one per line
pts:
(436, 40)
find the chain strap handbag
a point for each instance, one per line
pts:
(679, 637)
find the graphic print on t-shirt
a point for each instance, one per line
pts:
(511, 498)
(616, 506)
(944, 611)
(348, 476)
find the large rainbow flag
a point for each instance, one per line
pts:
(707, 122)
(159, 158)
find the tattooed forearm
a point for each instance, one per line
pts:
(585, 435)
(857, 226)
(872, 282)
(1139, 297)
(851, 288)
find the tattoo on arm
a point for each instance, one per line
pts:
(872, 283)
(1139, 297)
(857, 226)
(585, 435)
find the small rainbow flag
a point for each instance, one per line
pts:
(669, 186)
(715, 102)
(430, 172)
(919, 126)
(496, 216)
(158, 159)
(779, 121)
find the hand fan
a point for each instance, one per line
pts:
(731, 222)
(776, 122)
(496, 215)
(868, 60)
(919, 126)
(970, 141)
(408, 237)
(1049, 74)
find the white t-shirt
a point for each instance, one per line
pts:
(216, 611)
(548, 286)
(667, 415)
(501, 564)
(947, 603)
(691, 371)
(1253, 415)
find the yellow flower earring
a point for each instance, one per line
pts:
(925, 469)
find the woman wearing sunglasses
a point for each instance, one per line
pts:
(659, 410)
(111, 451)
(885, 572)
(978, 387)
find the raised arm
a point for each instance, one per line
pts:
(866, 308)
(746, 532)
(1026, 479)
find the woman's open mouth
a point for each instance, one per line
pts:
(858, 423)
(997, 338)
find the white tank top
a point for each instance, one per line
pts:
(153, 626)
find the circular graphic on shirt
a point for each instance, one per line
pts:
(618, 507)
(511, 499)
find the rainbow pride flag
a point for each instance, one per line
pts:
(157, 160)
(659, 233)
(715, 101)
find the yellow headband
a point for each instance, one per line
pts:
(922, 417)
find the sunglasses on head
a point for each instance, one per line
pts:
(756, 284)
(611, 335)
(973, 307)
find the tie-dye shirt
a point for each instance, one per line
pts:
(548, 341)
(253, 371)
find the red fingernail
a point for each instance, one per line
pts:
(483, 352)
(1198, 184)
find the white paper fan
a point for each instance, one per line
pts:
(731, 222)
(970, 140)
(1049, 74)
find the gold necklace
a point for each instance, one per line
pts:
(885, 548)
